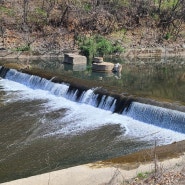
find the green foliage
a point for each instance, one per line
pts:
(166, 4)
(38, 17)
(167, 36)
(88, 46)
(104, 46)
(155, 16)
(41, 12)
(143, 175)
(123, 31)
(87, 7)
(117, 48)
(119, 3)
(8, 11)
(23, 48)
(97, 46)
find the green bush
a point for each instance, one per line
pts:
(166, 4)
(88, 47)
(38, 17)
(143, 175)
(104, 46)
(8, 11)
(41, 12)
(87, 7)
(167, 36)
(97, 46)
(23, 48)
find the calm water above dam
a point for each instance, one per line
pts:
(162, 79)
(43, 127)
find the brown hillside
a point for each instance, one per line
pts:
(53, 25)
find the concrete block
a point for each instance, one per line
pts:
(97, 59)
(71, 58)
(104, 66)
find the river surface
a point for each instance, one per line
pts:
(158, 78)
(40, 131)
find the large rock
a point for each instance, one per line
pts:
(71, 58)
(103, 66)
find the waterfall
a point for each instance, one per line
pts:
(162, 117)
(3, 72)
(150, 114)
(36, 82)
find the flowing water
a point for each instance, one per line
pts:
(46, 126)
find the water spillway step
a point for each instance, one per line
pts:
(162, 117)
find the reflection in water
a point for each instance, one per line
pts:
(76, 67)
(157, 78)
(161, 81)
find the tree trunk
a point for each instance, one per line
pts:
(25, 11)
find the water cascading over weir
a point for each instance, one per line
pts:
(127, 106)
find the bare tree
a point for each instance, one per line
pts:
(171, 18)
(2, 30)
(25, 11)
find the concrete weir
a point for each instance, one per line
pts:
(104, 172)
(72, 58)
(102, 99)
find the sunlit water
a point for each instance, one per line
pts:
(158, 78)
(40, 132)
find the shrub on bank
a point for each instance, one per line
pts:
(98, 46)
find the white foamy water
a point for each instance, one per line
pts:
(81, 117)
